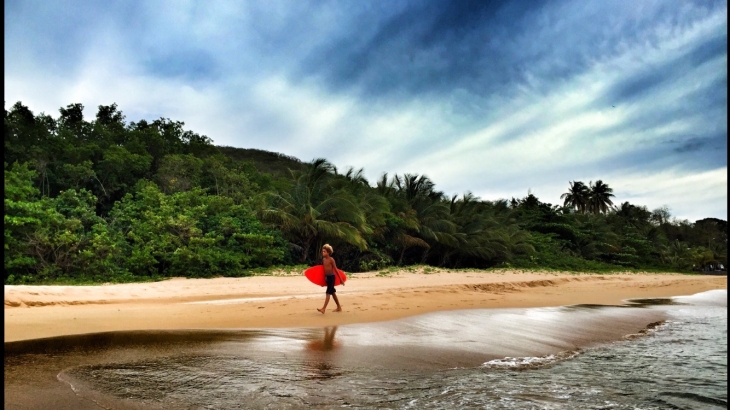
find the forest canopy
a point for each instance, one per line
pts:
(105, 200)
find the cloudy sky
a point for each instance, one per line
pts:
(498, 98)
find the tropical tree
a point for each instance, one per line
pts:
(313, 210)
(48, 238)
(577, 196)
(227, 178)
(599, 200)
(660, 216)
(631, 216)
(179, 173)
(400, 232)
(470, 227)
(191, 234)
(24, 216)
(430, 208)
(376, 210)
(486, 233)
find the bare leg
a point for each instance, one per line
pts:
(339, 308)
(326, 301)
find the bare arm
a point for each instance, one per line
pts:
(336, 272)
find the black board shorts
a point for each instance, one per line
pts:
(330, 280)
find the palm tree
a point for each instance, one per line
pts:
(632, 216)
(481, 238)
(414, 187)
(577, 196)
(422, 212)
(314, 210)
(431, 209)
(375, 207)
(599, 200)
(402, 224)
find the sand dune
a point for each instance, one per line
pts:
(289, 300)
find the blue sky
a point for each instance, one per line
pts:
(496, 98)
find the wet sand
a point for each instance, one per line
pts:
(289, 300)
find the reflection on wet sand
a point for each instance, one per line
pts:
(326, 343)
(318, 363)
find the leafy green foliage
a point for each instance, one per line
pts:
(102, 200)
(315, 209)
(267, 162)
(191, 234)
(48, 238)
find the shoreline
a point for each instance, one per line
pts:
(289, 300)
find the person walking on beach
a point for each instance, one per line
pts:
(330, 270)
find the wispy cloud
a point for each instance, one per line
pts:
(490, 97)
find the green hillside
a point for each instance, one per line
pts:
(265, 161)
(104, 200)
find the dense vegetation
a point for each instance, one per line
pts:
(104, 200)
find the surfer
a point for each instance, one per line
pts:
(330, 269)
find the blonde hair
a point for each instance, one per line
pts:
(328, 248)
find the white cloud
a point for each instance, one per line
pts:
(691, 196)
(537, 135)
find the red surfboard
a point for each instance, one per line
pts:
(315, 274)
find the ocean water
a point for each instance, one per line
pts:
(649, 354)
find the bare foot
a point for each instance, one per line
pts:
(321, 311)
(339, 309)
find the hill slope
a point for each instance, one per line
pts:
(265, 161)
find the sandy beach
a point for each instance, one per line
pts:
(289, 300)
